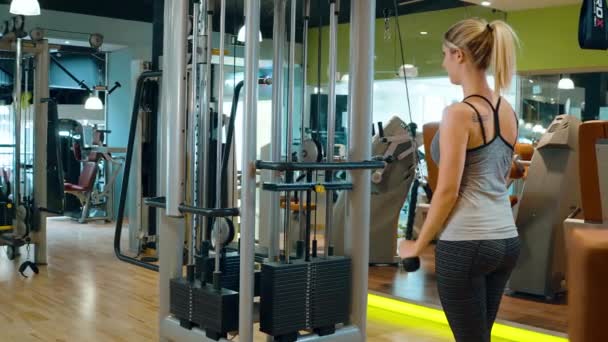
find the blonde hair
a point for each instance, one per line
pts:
(490, 45)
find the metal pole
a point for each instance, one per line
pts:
(26, 71)
(248, 191)
(41, 131)
(110, 197)
(277, 124)
(289, 141)
(193, 115)
(303, 115)
(218, 133)
(174, 83)
(205, 117)
(171, 230)
(362, 77)
(334, 9)
(17, 108)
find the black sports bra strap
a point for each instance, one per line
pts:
(496, 118)
(495, 109)
(483, 131)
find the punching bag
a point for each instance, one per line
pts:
(593, 33)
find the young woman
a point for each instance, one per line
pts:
(478, 241)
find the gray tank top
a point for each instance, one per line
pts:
(483, 209)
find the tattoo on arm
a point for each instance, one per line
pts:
(476, 118)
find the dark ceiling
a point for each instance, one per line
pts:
(143, 10)
(139, 10)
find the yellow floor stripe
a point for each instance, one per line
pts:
(500, 331)
(3, 228)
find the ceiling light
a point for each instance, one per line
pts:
(486, 3)
(424, 33)
(531, 81)
(93, 102)
(242, 32)
(67, 42)
(538, 129)
(565, 83)
(25, 7)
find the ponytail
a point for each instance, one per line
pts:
(490, 46)
(503, 59)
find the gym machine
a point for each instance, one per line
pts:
(593, 167)
(36, 185)
(191, 307)
(393, 145)
(90, 170)
(551, 193)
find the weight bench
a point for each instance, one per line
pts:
(586, 233)
(84, 188)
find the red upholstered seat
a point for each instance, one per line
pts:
(86, 179)
(72, 187)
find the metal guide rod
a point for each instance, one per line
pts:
(193, 114)
(26, 71)
(205, 110)
(174, 83)
(248, 190)
(277, 124)
(17, 123)
(360, 104)
(290, 105)
(334, 9)
(218, 134)
(303, 113)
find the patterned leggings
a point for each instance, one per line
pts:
(471, 278)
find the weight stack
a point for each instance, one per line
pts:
(230, 267)
(305, 295)
(182, 300)
(216, 311)
(330, 293)
(6, 214)
(284, 298)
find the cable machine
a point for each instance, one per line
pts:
(323, 294)
(36, 181)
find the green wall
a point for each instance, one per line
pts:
(422, 51)
(549, 39)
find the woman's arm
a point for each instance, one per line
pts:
(453, 147)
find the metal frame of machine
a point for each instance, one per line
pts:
(178, 130)
(40, 51)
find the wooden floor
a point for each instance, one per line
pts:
(421, 287)
(86, 294)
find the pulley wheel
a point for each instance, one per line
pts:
(311, 152)
(223, 231)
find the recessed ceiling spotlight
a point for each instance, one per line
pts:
(67, 42)
(486, 3)
(424, 33)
